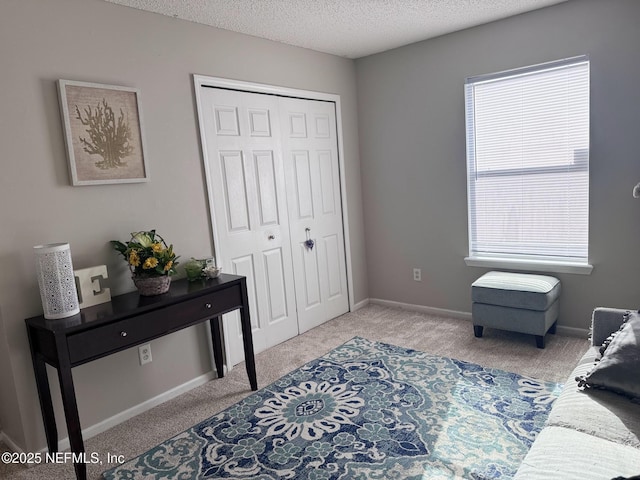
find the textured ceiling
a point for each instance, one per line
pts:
(348, 28)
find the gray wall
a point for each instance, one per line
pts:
(412, 146)
(95, 41)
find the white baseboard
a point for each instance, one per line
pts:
(120, 417)
(572, 332)
(13, 446)
(560, 330)
(422, 308)
(360, 305)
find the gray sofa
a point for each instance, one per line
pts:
(589, 435)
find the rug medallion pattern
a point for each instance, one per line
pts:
(366, 410)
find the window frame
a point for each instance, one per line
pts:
(515, 261)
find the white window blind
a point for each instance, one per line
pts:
(528, 162)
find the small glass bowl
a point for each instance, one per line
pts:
(211, 272)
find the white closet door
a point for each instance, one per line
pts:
(247, 199)
(310, 153)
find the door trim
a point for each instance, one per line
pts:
(200, 81)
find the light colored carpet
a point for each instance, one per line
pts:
(436, 335)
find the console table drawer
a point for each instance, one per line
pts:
(126, 333)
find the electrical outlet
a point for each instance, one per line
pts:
(417, 274)
(144, 352)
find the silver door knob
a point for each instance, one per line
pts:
(207, 305)
(123, 334)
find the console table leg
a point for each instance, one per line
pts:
(71, 415)
(247, 338)
(216, 340)
(44, 395)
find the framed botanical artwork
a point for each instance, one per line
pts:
(103, 133)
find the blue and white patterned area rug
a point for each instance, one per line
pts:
(365, 410)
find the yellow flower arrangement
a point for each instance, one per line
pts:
(147, 254)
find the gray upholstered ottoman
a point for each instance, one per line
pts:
(517, 302)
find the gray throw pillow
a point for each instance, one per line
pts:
(608, 340)
(619, 368)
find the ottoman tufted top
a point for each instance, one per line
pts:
(516, 290)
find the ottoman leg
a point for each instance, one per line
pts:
(553, 327)
(477, 330)
(540, 341)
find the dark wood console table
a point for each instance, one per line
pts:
(126, 321)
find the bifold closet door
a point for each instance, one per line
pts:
(273, 177)
(311, 164)
(249, 212)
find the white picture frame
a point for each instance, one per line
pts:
(103, 133)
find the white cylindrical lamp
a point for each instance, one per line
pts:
(56, 280)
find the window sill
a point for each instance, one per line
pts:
(530, 265)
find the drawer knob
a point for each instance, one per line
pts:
(123, 334)
(207, 305)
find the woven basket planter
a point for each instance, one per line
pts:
(150, 286)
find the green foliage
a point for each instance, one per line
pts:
(147, 254)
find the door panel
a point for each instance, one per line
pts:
(226, 120)
(259, 122)
(315, 210)
(244, 266)
(311, 278)
(267, 195)
(327, 187)
(247, 196)
(275, 285)
(297, 125)
(332, 254)
(235, 191)
(323, 126)
(303, 185)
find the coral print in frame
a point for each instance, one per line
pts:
(103, 133)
